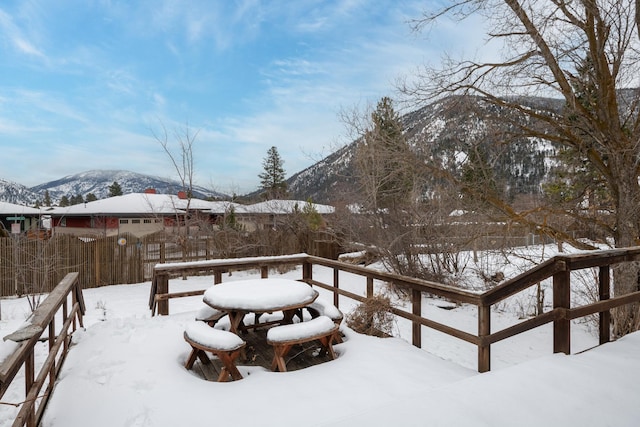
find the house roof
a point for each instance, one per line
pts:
(128, 204)
(7, 208)
(284, 207)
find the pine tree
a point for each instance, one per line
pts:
(77, 199)
(272, 180)
(115, 189)
(64, 201)
(91, 197)
(47, 198)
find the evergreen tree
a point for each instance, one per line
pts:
(64, 201)
(47, 198)
(91, 197)
(115, 189)
(313, 217)
(76, 200)
(272, 180)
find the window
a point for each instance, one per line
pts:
(124, 221)
(135, 221)
(147, 221)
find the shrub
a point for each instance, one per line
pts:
(372, 317)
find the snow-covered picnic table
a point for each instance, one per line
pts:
(259, 296)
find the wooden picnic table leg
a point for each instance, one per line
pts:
(236, 321)
(288, 316)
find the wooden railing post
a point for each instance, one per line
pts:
(416, 330)
(603, 291)
(484, 330)
(29, 376)
(562, 302)
(217, 277)
(163, 288)
(369, 286)
(336, 285)
(264, 272)
(307, 271)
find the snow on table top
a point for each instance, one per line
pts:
(207, 336)
(314, 327)
(259, 295)
(207, 312)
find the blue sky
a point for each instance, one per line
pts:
(86, 84)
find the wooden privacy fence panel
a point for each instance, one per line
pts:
(34, 266)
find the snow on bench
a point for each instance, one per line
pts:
(322, 308)
(210, 315)
(282, 338)
(227, 346)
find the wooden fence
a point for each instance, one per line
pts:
(64, 303)
(558, 268)
(34, 266)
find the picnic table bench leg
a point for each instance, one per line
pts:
(327, 346)
(280, 351)
(199, 354)
(228, 366)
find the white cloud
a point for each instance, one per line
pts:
(17, 37)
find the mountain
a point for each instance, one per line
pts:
(16, 193)
(98, 182)
(447, 129)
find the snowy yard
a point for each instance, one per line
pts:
(126, 369)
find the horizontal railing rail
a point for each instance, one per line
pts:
(65, 301)
(558, 269)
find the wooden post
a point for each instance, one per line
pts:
(484, 330)
(604, 316)
(217, 277)
(163, 252)
(336, 286)
(416, 309)
(307, 271)
(29, 376)
(163, 288)
(264, 272)
(369, 287)
(562, 300)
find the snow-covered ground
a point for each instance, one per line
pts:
(126, 369)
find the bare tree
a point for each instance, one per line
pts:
(587, 54)
(182, 159)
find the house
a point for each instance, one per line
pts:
(138, 214)
(270, 213)
(16, 219)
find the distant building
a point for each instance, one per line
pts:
(137, 213)
(270, 213)
(15, 219)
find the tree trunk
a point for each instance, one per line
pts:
(626, 319)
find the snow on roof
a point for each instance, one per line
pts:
(221, 207)
(285, 207)
(7, 208)
(128, 204)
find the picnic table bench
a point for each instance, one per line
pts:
(283, 338)
(227, 346)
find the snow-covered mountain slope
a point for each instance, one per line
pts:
(96, 182)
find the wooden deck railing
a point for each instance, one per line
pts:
(558, 268)
(65, 302)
